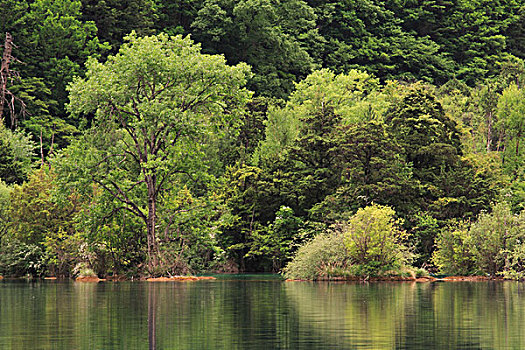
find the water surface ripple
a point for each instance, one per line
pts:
(261, 314)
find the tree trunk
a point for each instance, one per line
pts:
(489, 132)
(518, 144)
(4, 71)
(500, 141)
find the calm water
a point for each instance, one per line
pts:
(261, 314)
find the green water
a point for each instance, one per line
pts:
(261, 314)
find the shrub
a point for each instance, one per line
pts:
(493, 245)
(83, 270)
(494, 236)
(453, 254)
(323, 256)
(370, 243)
(20, 259)
(4, 207)
(515, 268)
(375, 241)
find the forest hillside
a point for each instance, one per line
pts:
(312, 137)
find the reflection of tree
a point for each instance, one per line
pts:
(411, 316)
(354, 315)
(262, 315)
(152, 317)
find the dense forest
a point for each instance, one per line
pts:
(313, 137)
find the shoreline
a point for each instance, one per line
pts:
(191, 278)
(427, 279)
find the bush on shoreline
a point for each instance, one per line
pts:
(369, 244)
(493, 245)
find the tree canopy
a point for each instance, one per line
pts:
(161, 137)
(153, 115)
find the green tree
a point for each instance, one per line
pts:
(117, 18)
(239, 142)
(352, 95)
(493, 236)
(511, 112)
(4, 208)
(33, 214)
(39, 223)
(12, 13)
(280, 239)
(429, 137)
(369, 35)
(322, 257)
(476, 35)
(453, 254)
(372, 169)
(16, 155)
(492, 245)
(158, 109)
(245, 214)
(313, 172)
(374, 239)
(54, 45)
(176, 16)
(266, 34)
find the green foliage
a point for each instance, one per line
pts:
(4, 208)
(493, 236)
(239, 143)
(313, 171)
(111, 239)
(190, 230)
(453, 253)
(267, 35)
(511, 111)
(450, 186)
(16, 155)
(153, 116)
(83, 270)
(54, 45)
(373, 170)
(319, 258)
(63, 248)
(279, 240)
(424, 234)
(492, 245)
(152, 128)
(32, 212)
(241, 191)
(370, 35)
(12, 13)
(369, 243)
(115, 19)
(373, 238)
(53, 131)
(281, 130)
(352, 95)
(21, 259)
(428, 136)
(176, 16)
(36, 220)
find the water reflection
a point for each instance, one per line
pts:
(152, 318)
(261, 315)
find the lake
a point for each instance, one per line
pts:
(261, 313)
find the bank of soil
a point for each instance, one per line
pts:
(179, 279)
(406, 279)
(156, 279)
